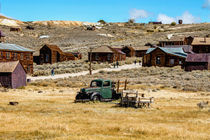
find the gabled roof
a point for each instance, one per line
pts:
(8, 67)
(173, 51)
(201, 41)
(203, 57)
(103, 49)
(118, 51)
(54, 48)
(129, 47)
(141, 48)
(14, 47)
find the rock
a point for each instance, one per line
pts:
(13, 103)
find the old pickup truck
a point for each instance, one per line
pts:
(100, 90)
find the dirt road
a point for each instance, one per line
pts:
(66, 75)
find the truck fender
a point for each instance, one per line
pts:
(95, 94)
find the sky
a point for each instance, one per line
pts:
(167, 11)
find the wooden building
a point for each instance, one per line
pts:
(164, 57)
(141, 51)
(186, 48)
(12, 52)
(106, 54)
(15, 29)
(12, 74)
(201, 45)
(52, 54)
(176, 40)
(197, 62)
(129, 51)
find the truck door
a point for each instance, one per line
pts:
(107, 90)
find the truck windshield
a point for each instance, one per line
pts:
(96, 84)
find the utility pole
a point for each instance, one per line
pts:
(90, 65)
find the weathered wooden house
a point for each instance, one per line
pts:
(52, 54)
(12, 74)
(197, 62)
(176, 40)
(106, 54)
(164, 57)
(141, 51)
(129, 51)
(12, 52)
(201, 45)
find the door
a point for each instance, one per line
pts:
(106, 90)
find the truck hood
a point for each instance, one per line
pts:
(89, 89)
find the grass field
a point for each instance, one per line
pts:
(50, 113)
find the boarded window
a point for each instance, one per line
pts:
(28, 56)
(8, 55)
(158, 60)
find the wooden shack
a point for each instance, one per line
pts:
(77, 55)
(197, 62)
(52, 54)
(129, 51)
(12, 52)
(164, 57)
(15, 29)
(12, 74)
(106, 54)
(201, 45)
(141, 51)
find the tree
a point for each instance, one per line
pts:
(173, 24)
(102, 21)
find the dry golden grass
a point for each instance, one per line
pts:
(53, 115)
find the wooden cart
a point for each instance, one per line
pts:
(131, 98)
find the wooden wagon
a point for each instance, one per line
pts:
(131, 98)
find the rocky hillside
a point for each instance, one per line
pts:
(73, 36)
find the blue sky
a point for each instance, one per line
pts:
(109, 10)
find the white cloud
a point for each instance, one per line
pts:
(187, 18)
(206, 4)
(165, 19)
(136, 14)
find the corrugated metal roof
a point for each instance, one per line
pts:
(173, 51)
(14, 47)
(186, 48)
(205, 57)
(6, 67)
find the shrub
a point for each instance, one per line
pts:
(173, 24)
(102, 21)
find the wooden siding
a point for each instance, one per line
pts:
(25, 58)
(129, 51)
(18, 77)
(190, 66)
(166, 60)
(140, 53)
(201, 48)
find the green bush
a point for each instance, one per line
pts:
(173, 24)
(102, 21)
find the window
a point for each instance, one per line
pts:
(96, 84)
(97, 57)
(21, 56)
(109, 57)
(180, 62)
(171, 61)
(15, 56)
(106, 84)
(47, 58)
(28, 56)
(158, 60)
(1, 55)
(8, 55)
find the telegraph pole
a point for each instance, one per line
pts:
(90, 65)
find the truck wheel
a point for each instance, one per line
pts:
(96, 98)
